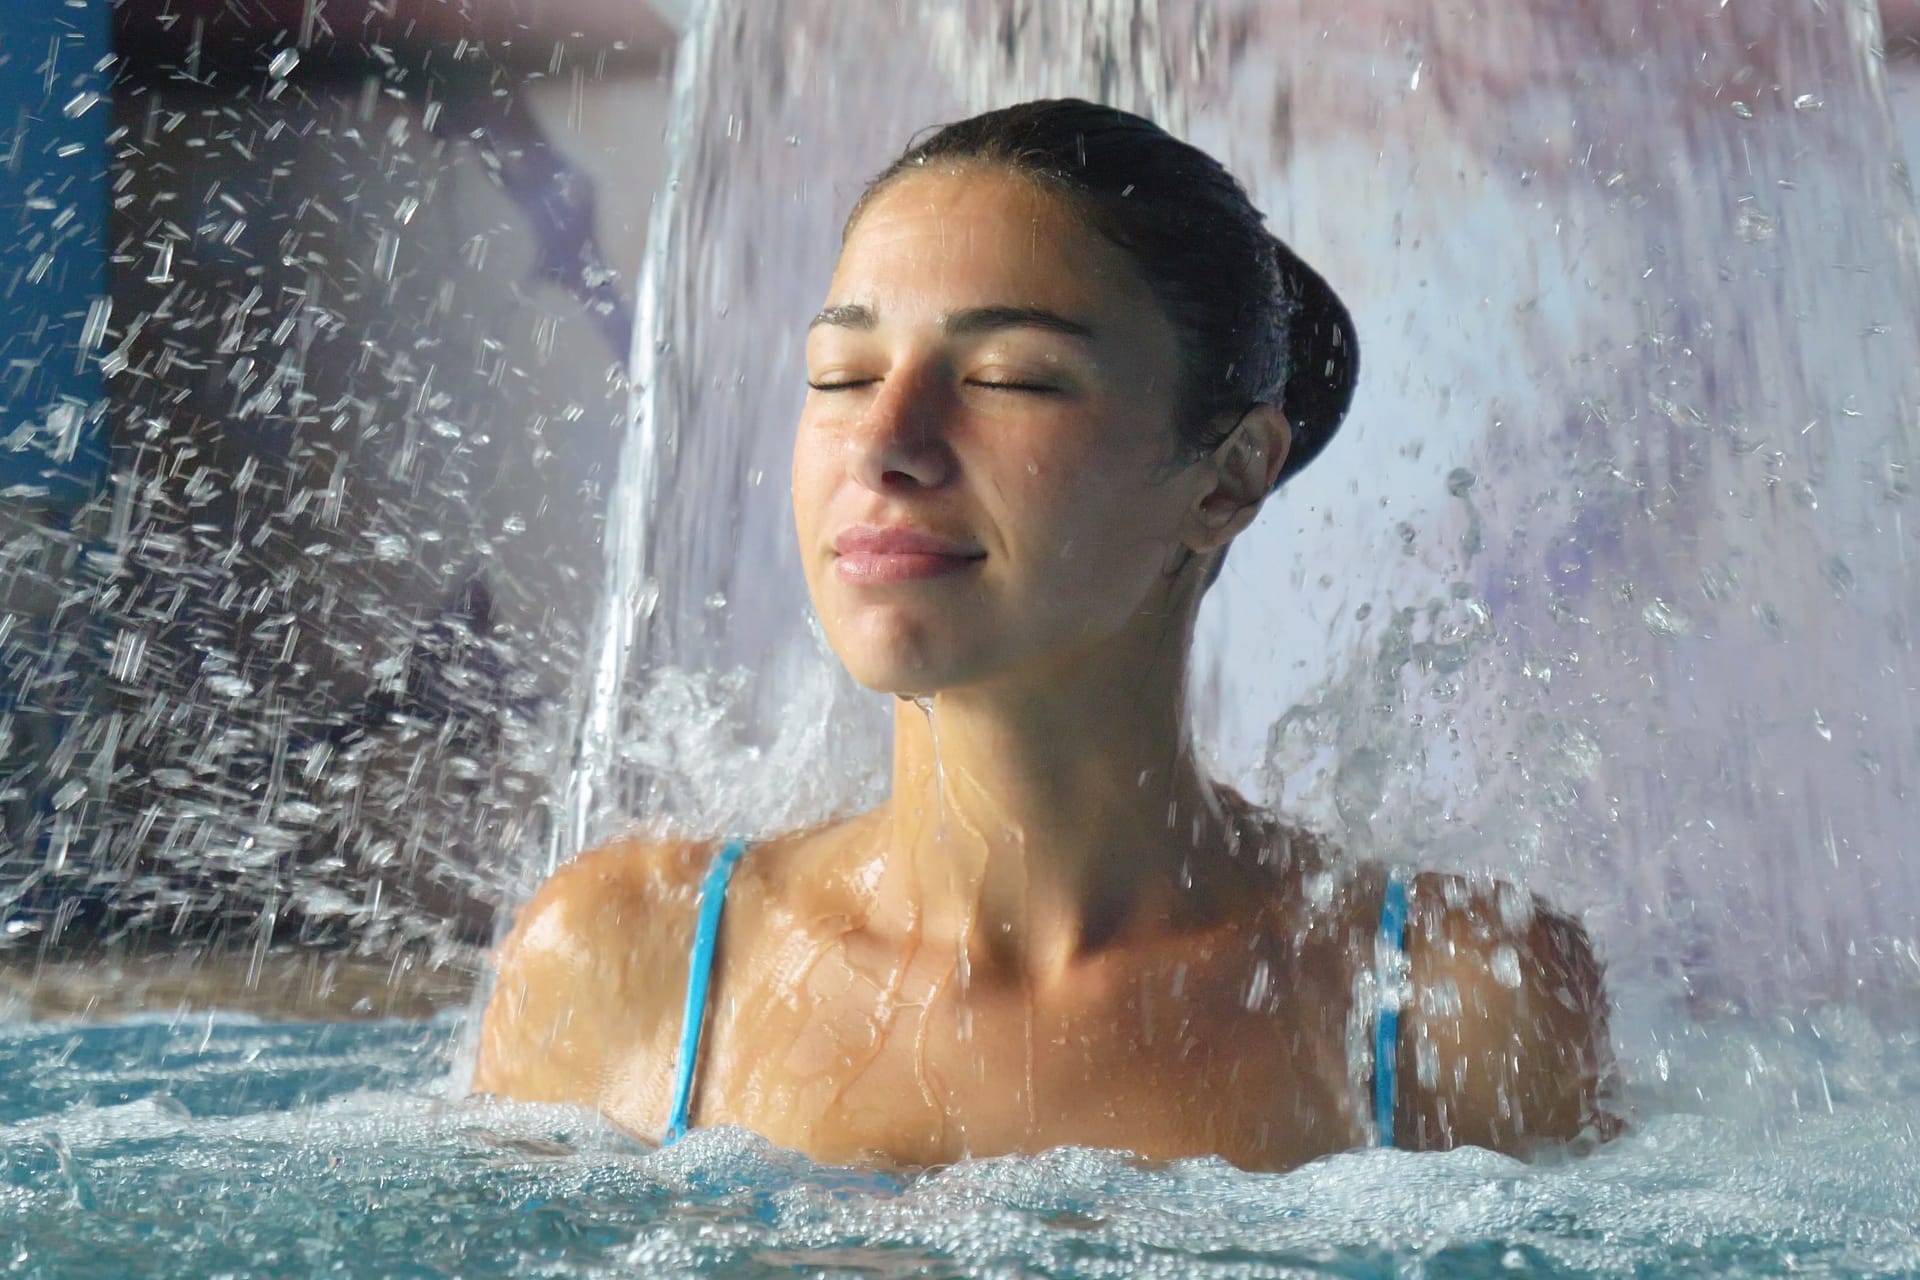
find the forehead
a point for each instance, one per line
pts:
(972, 236)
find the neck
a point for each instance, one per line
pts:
(1032, 819)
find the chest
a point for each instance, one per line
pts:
(851, 1051)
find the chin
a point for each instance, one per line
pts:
(911, 650)
(901, 678)
(905, 666)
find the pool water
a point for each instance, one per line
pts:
(203, 1146)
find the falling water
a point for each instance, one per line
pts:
(299, 474)
(1605, 586)
(772, 141)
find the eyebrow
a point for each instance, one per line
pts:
(968, 323)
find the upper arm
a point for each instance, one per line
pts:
(1504, 1041)
(575, 982)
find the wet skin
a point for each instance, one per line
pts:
(1216, 1025)
(1056, 930)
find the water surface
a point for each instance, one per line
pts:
(220, 1145)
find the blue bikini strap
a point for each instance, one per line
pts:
(1386, 1030)
(706, 935)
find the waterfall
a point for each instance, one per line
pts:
(1605, 586)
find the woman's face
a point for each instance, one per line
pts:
(981, 474)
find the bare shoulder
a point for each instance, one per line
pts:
(591, 965)
(1504, 1042)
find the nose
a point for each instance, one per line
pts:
(902, 441)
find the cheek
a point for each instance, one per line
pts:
(1096, 504)
(807, 483)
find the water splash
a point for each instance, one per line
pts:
(339, 1149)
(1617, 520)
(279, 670)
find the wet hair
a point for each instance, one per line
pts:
(1256, 326)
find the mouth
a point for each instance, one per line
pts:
(871, 553)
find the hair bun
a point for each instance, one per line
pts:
(1323, 360)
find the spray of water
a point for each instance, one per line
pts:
(1604, 590)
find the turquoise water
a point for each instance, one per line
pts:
(222, 1146)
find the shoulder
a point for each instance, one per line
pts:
(611, 893)
(592, 963)
(1504, 1038)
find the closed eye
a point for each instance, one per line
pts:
(1039, 388)
(991, 384)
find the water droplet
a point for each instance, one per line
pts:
(1426, 1062)
(1505, 966)
(1259, 986)
(162, 272)
(1665, 621)
(1753, 226)
(1838, 575)
(227, 685)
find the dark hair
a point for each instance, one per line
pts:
(1256, 325)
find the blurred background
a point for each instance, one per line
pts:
(315, 349)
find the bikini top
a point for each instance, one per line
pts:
(706, 934)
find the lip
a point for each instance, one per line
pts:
(899, 553)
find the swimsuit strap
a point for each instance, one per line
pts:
(1386, 1031)
(706, 936)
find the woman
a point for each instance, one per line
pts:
(1060, 366)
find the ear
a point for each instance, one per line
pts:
(1241, 475)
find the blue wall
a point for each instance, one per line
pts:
(54, 116)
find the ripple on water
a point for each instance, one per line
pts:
(260, 1148)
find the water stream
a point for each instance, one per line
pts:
(1605, 588)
